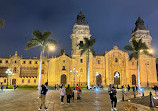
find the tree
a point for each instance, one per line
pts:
(87, 47)
(1, 22)
(136, 48)
(42, 40)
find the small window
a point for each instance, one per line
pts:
(116, 60)
(15, 70)
(63, 68)
(42, 71)
(81, 70)
(0, 61)
(63, 61)
(15, 62)
(81, 60)
(30, 62)
(132, 63)
(42, 62)
(34, 80)
(98, 61)
(22, 80)
(28, 80)
(6, 61)
(36, 62)
(4, 80)
(24, 62)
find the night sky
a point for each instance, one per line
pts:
(110, 21)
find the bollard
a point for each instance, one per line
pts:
(123, 96)
(151, 100)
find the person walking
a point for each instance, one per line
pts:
(113, 98)
(129, 87)
(44, 91)
(79, 93)
(68, 93)
(62, 93)
(1, 86)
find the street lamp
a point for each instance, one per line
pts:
(79, 77)
(117, 76)
(9, 73)
(50, 48)
(147, 64)
(74, 72)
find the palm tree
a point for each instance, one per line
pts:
(1, 22)
(136, 48)
(42, 40)
(87, 47)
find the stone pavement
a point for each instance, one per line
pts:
(27, 100)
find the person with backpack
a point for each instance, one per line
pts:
(113, 98)
(44, 91)
(62, 93)
(69, 94)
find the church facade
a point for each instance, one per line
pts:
(112, 67)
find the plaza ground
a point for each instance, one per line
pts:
(27, 100)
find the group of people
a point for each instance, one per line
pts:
(63, 92)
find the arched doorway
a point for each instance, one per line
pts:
(116, 78)
(133, 79)
(13, 81)
(63, 79)
(98, 80)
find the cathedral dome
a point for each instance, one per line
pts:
(139, 24)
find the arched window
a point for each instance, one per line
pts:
(63, 68)
(116, 60)
(15, 70)
(81, 70)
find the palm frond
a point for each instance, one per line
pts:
(143, 46)
(83, 51)
(135, 44)
(93, 52)
(46, 35)
(37, 34)
(128, 48)
(1, 22)
(92, 41)
(133, 55)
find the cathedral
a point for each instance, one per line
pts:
(112, 67)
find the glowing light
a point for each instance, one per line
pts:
(96, 89)
(141, 50)
(51, 47)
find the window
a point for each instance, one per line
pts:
(30, 62)
(42, 71)
(6, 61)
(28, 80)
(63, 61)
(132, 63)
(15, 62)
(42, 62)
(22, 80)
(81, 70)
(36, 62)
(4, 80)
(34, 80)
(15, 70)
(24, 62)
(81, 60)
(81, 44)
(98, 61)
(116, 60)
(0, 61)
(63, 68)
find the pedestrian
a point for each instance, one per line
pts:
(62, 93)
(134, 90)
(68, 93)
(1, 86)
(79, 93)
(55, 87)
(129, 87)
(44, 91)
(113, 98)
(14, 86)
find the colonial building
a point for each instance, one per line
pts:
(112, 67)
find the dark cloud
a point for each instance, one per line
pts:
(110, 22)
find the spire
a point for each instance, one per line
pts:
(80, 20)
(16, 53)
(139, 24)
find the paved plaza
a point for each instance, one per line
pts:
(27, 100)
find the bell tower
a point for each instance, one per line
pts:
(141, 32)
(80, 31)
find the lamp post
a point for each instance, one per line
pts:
(117, 76)
(79, 77)
(74, 72)
(50, 47)
(9, 73)
(147, 64)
